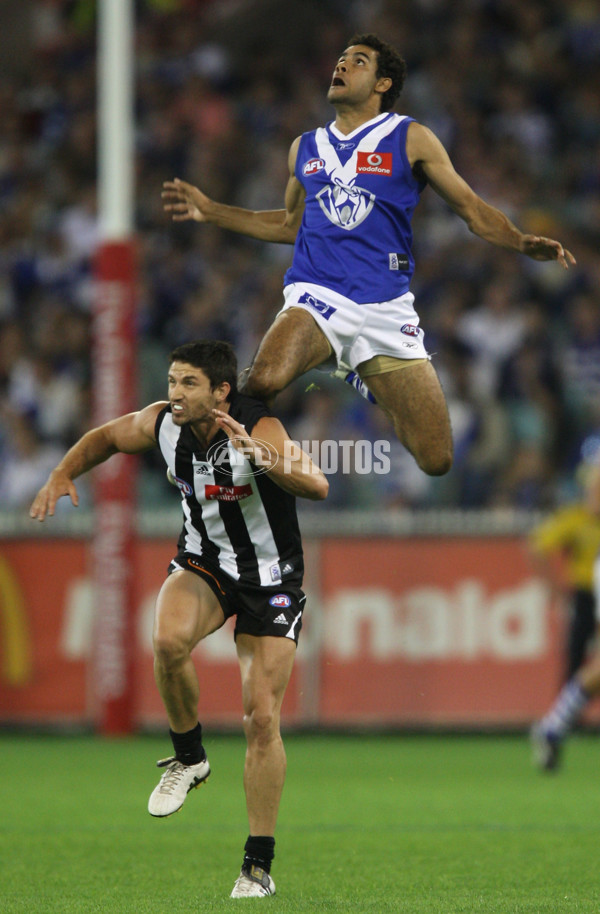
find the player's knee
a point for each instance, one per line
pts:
(436, 463)
(263, 382)
(260, 725)
(170, 651)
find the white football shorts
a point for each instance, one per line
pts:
(355, 332)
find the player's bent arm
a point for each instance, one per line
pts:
(280, 225)
(264, 225)
(291, 467)
(426, 151)
(129, 434)
(184, 202)
(269, 447)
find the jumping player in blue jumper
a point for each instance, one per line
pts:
(349, 200)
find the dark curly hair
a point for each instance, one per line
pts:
(389, 64)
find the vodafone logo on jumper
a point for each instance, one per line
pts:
(374, 163)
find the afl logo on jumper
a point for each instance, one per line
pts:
(313, 166)
(280, 600)
(183, 486)
(374, 163)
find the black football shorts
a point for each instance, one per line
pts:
(274, 610)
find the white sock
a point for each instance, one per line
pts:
(565, 710)
(353, 379)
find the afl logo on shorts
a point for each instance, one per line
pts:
(410, 330)
(280, 600)
(313, 166)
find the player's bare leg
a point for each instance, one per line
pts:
(266, 666)
(186, 611)
(549, 733)
(291, 346)
(413, 399)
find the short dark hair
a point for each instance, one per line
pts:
(216, 358)
(390, 63)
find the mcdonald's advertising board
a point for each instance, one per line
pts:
(430, 631)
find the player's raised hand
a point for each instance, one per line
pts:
(184, 201)
(58, 484)
(539, 248)
(236, 432)
(258, 451)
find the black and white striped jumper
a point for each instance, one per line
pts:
(235, 516)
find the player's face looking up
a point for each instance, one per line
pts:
(355, 77)
(191, 396)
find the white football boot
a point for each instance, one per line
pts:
(169, 794)
(253, 884)
(546, 748)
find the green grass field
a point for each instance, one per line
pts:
(368, 824)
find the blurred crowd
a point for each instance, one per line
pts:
(512, 88)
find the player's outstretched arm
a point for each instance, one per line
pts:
(426, 152)
(185, 202)
(130, 434)
(269, 447)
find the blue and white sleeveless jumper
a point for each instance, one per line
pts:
(356, 235)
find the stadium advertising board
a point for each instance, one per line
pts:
(398, 632)
(435, 631)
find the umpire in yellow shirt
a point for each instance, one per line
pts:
(564, 547)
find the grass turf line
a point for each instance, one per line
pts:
(367, 824)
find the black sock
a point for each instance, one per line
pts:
(188, 746)
(259, 851)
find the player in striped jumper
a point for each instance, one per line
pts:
(239, 554)
(352, 189)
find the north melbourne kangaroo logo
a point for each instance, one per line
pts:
(345, 205)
